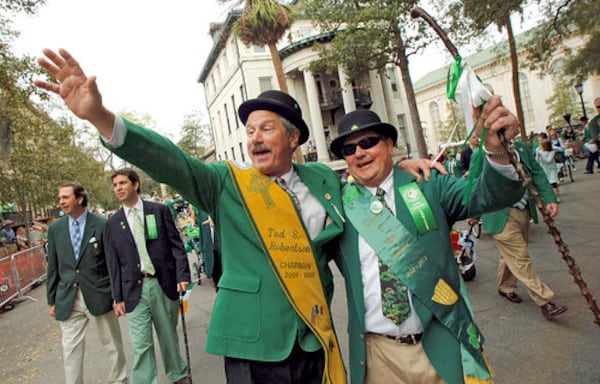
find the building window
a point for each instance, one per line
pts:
(436, 120)
(258, 49)
(225, 60)
(526, 99)
(265, 84)
(242, 152)
(219, 127)
(237, 121)
(232, 153)
(391, 72)
(227, 118)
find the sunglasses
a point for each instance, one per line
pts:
(364, 143)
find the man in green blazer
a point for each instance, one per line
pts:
(78, 285)
(410, 319)
(271, 318)
(510, 227)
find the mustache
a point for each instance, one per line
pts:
(260, 148)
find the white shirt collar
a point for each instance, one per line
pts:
(387, 185)
(139, 205)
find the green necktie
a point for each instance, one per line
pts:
(394, 293)
(140, 241)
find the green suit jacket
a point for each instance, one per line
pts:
(251, 318)
(495, 222)
(89, 273)
(444, 195)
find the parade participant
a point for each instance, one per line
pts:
(410, 320)
(510, 228)
(78, 286)
(148, 266)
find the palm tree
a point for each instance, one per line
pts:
(264, 22)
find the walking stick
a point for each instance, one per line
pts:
(527, 182)
(185, 336)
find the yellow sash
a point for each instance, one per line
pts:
(283, 238)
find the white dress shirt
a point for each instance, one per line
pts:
(375, 321)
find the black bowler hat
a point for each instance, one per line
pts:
(279, 102)
(357, 121)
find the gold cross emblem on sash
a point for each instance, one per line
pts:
(261, 184)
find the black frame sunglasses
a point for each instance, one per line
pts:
(364, 143)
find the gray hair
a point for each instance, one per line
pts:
(289, 127)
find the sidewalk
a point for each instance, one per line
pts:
(523, 347)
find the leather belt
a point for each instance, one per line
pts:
(404, 339)
(148, 276)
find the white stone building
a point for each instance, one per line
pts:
(234, 73)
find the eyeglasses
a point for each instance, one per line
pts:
(364, 143)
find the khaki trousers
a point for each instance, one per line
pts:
(391, 362)
(73, 342)
(515, 263)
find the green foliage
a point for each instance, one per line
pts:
(263, 22)
(563, 101)
(565, 18)
(196, 134)
(368, 35)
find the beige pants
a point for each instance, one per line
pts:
(515, 263)
(391, 362)
(73, 342)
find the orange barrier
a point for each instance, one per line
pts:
(19, 272)
(8, 286)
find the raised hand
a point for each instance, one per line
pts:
(496, 117)
(79, 92)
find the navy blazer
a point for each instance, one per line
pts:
(167, 253)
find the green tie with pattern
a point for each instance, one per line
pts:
(140, 241)
(394, 293)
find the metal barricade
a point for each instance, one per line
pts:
(8, 285)
(19, 272)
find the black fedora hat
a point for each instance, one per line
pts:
(357, 121)
(279, 102)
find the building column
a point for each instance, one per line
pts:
(347, 91)
(316, 120)
(392, 115)
(378, 106)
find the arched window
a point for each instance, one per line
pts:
(527, 105)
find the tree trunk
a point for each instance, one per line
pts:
(410, 98)
(514, 61)
(278, 68)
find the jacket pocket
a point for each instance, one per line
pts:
(237, 310)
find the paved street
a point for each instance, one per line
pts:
(522, 345)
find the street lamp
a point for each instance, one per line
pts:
(579, 90)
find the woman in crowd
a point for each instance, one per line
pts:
(545, 156)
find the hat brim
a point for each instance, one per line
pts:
(384, 129)
(279, 108)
